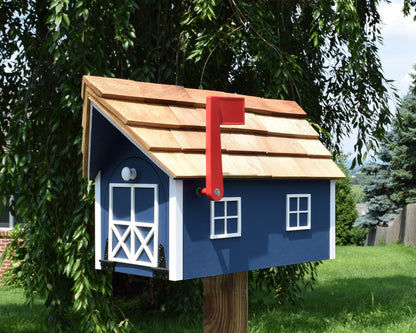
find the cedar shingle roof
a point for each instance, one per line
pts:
(168, 122)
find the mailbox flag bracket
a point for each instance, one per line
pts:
(219, 111)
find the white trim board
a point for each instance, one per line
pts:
(175, 229)
(97, 224)
(89, 139)
(332, 241)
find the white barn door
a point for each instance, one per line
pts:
(133, 224)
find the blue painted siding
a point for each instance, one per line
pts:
(110, 152)
(264, 241)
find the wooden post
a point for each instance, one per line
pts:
(226, 303)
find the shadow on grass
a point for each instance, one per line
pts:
(17, 317)
(369, 303)
(167, 323)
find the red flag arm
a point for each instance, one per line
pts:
(219, 111)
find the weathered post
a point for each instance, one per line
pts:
(226, 303)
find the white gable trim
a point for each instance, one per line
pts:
(89, 141)
(175, 229)
(93, 105)
(332, 242)
(98, 220)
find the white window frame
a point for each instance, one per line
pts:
(298, 211)
(225, 217)
(11, 220)
(133, 227)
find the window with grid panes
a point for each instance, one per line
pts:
(298, 212)
(226, 218)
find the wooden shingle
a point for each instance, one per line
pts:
(168, 123)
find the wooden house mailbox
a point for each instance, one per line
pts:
(144, 146)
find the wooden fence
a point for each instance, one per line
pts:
(402, 228)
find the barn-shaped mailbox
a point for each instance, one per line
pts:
(144, 145)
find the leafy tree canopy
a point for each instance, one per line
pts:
(323, 54)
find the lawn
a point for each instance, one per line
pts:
(16, 317)
(366, 289)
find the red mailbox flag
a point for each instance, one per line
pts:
(220, 111)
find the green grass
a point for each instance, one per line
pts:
(366, 289)
(16, 316)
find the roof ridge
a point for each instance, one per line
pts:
(175, 95)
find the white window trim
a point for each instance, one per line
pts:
(11, 221)
(298, 212)
(226, 217)
(133, 225)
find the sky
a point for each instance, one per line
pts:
(397, 53)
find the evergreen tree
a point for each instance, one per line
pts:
(393, 178)
(381, 209)
(403, 151)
